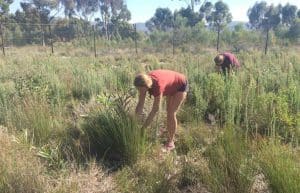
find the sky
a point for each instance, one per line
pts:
(143, 10)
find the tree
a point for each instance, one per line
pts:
(28, 18)
(192, 17)
(69, 7)
(192, 3)
(298, 13)
(256, 14)
(109, 9)
(289, 14)
(205, 10)
(162, 20)
(4, 7)
(42, 10)
(120, 26)
(219, 18)
(265, 18)
(294, 31)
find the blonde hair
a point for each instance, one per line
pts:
(143, 80)
(219, 59)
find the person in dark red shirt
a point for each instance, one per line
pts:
(161, 83)
(226, 62)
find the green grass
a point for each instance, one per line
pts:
(113, 134)
(65, 109)
(280, 165)
(230, 163)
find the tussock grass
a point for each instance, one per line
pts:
(149, 175)
(280, 165)
(230, 163)
(114, 135)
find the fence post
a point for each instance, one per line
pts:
(51, 41)
(135, 38)
(2, 39)
(94, 32)
(173, 41)
(173, 38)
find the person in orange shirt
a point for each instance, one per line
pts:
(159, 83)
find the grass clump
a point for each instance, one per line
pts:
(230, 164)
(194, 171)
(280, 165)
(114, 135)
(149, 175)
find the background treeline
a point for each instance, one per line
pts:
(38, 22)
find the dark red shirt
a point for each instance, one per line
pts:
(230, 58)
(166, 82)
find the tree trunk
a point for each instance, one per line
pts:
(193, 5)
(267, 40)
(2, 39)
(218, 39)
(106, 26)
(43, 35)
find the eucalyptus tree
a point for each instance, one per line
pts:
(109, 9)
(4, 8)
(69, 7)
(264, 17)
(289, 14)
(162, 20)
(294, 31)
(192, 17)
(206, 10)
(218, 18)
(192, 3)
(119, 26)
(45, 12)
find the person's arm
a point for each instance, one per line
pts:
(218, 68)
(140, 104)
(236, 62)
(155, 109)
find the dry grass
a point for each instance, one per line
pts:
(20, 170)
(93, 179)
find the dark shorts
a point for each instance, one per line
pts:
(184, 87)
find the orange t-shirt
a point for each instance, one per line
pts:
(166, 82)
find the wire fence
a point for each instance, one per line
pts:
(56, 37)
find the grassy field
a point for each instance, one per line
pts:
(67, 125)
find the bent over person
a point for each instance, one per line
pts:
(159, 83)
(226, 62)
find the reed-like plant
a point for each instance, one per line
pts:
(280, 165)
(230, 163)
(113, 134)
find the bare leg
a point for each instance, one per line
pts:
(173, 105)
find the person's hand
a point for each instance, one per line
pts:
(218, 68)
